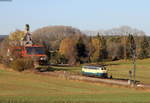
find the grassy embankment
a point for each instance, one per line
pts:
(25, 87)
(120, 69)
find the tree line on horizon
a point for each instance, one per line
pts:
(66, 44)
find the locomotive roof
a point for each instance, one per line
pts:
(94, 67)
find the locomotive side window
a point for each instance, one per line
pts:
(103, 68)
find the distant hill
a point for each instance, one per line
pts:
(54, 34)
(123, 30)
(2, 37)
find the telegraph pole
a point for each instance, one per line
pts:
(133, 53)
(125, 52)
(134, 68)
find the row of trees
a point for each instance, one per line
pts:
(99, 48)
(69, 45)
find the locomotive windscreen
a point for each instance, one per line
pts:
(35, 50)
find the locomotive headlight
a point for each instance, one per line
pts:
(43, 58)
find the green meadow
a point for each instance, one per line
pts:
(27, 87)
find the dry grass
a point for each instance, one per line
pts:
(120, 69)
(28, 87)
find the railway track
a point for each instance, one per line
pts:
(67, 75)
(113, 81)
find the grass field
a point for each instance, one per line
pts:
(28, 87)
(120, 69)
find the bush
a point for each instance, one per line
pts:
(1, 59)
(6, 61)
(22, 64)
(57, 58)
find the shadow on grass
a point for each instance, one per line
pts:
(111, 64)
(62, 65)
(51, 69)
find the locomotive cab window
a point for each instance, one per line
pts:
(103, 68)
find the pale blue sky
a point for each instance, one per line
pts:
(82, 14)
